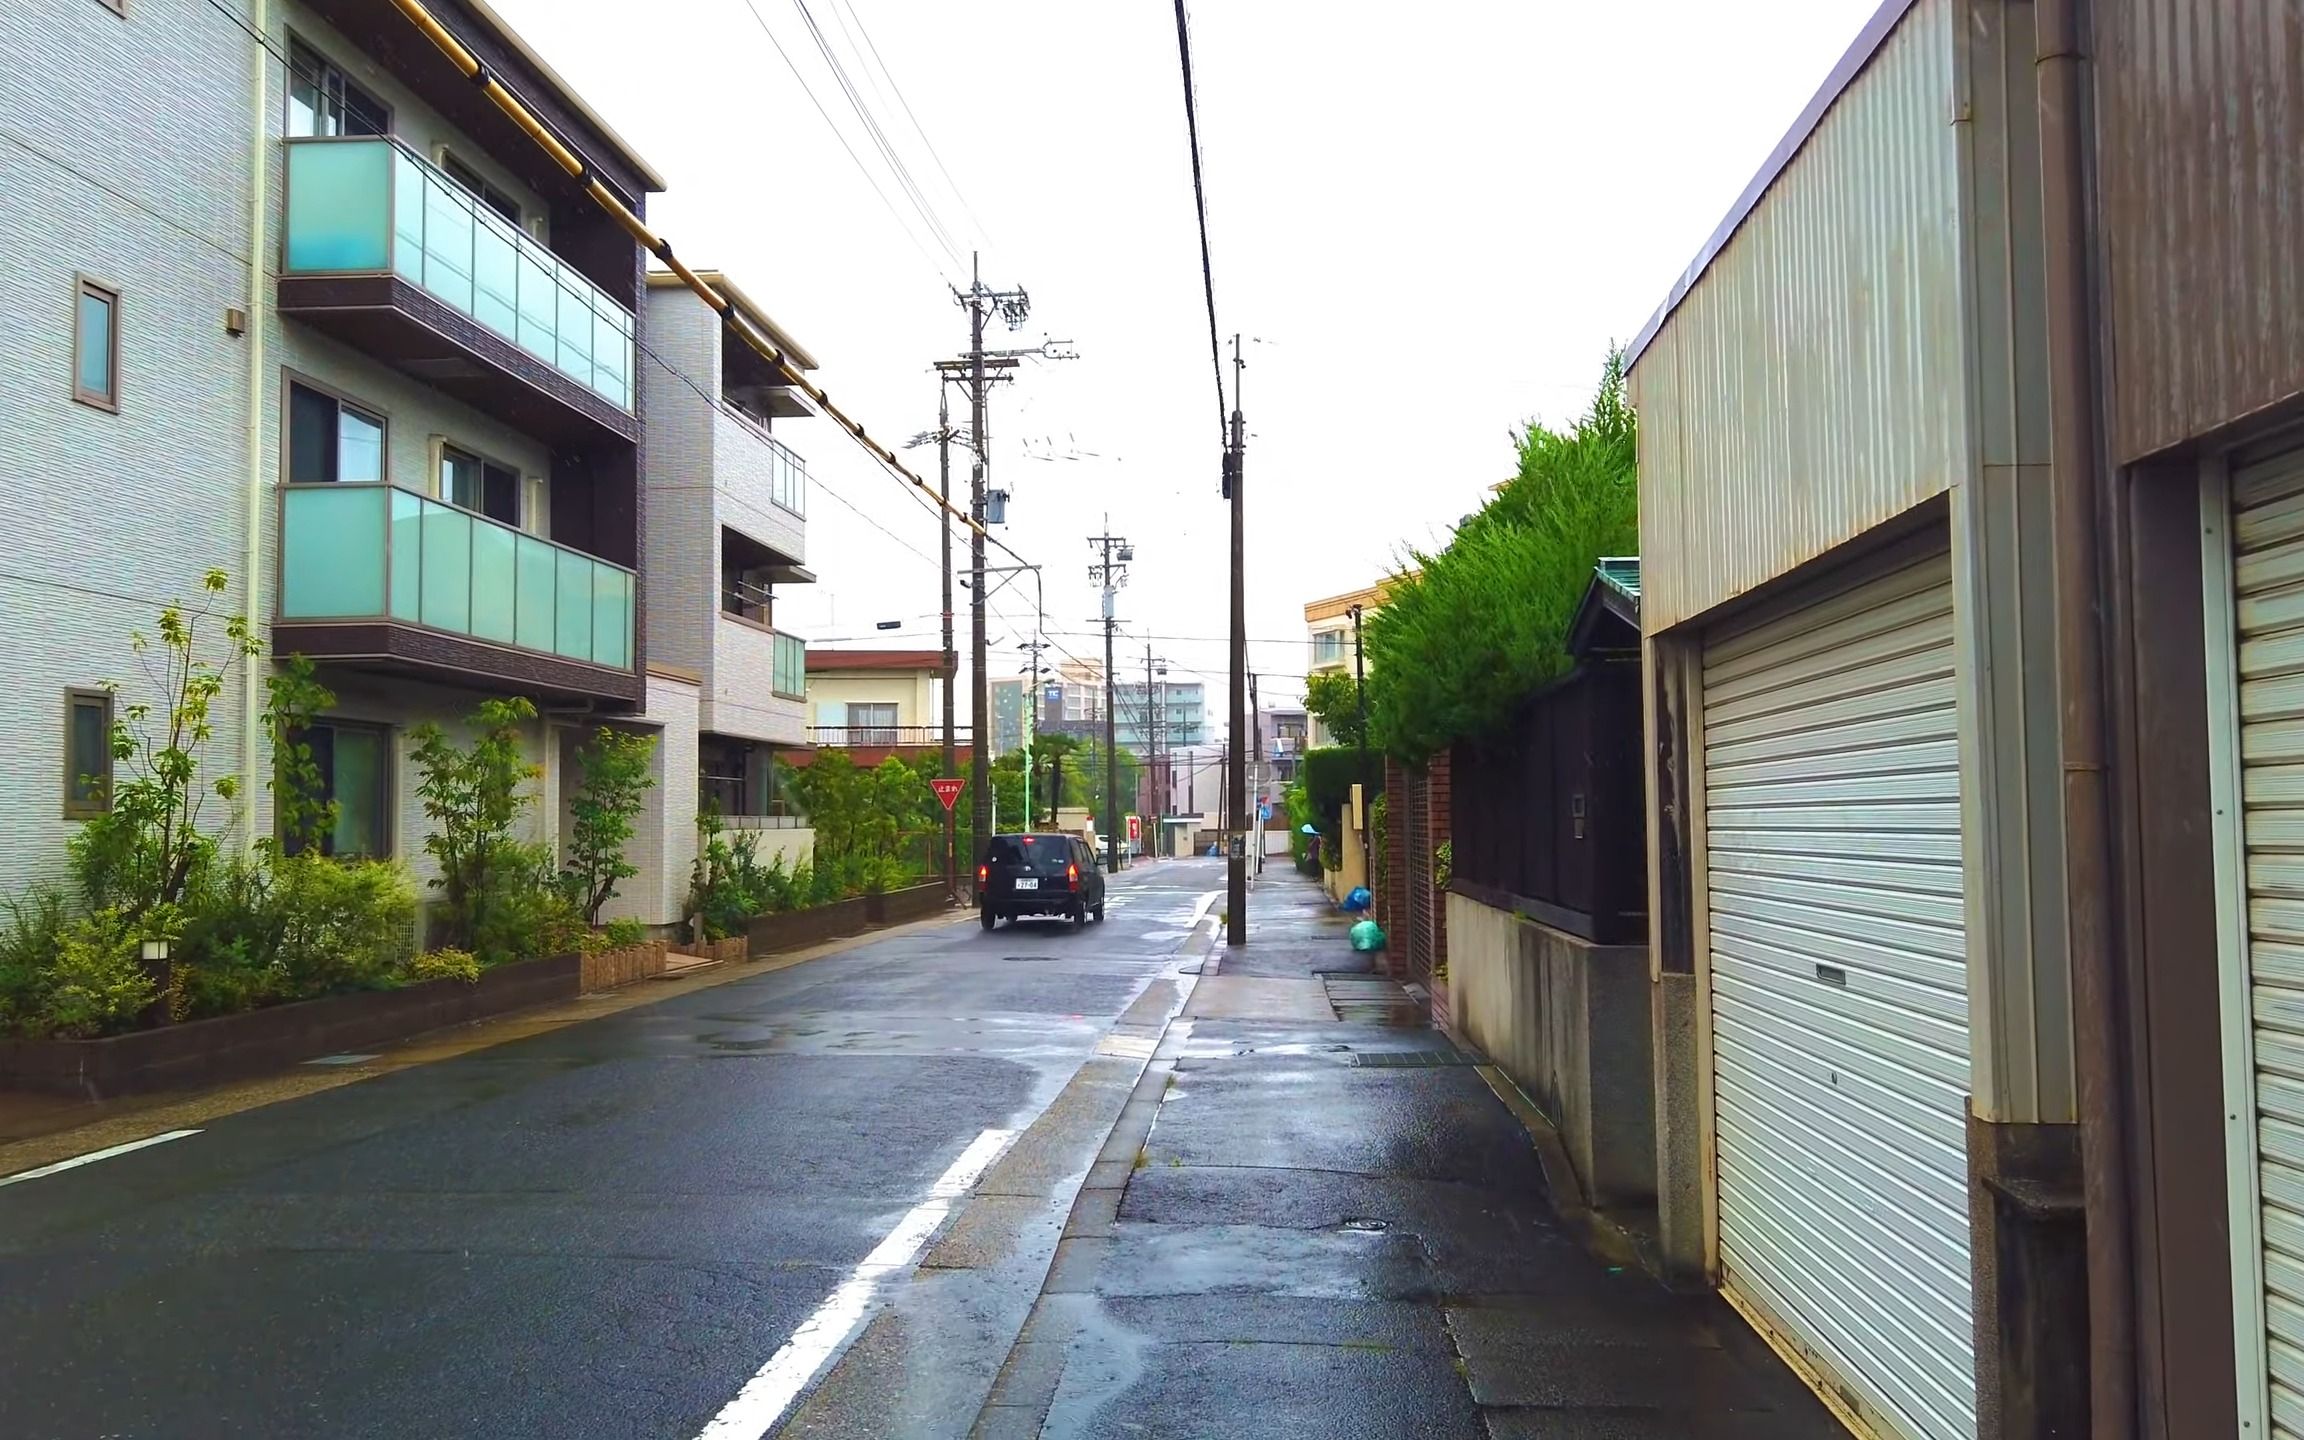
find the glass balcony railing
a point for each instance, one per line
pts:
(377, 552)
(368, 206)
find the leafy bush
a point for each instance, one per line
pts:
(293, 927)
(525, 913)
(442, 965)
(98, 984)
(30, 937)
(500, 898)
(624, 932)
(1469, 631)
(1329, 773)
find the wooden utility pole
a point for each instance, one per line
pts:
(1013, 306)
(1235, 779)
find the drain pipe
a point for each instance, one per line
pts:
(2096, 1010)
(251, 565)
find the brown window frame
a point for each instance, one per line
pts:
(84, 286)
(75, 807)
(483, 189)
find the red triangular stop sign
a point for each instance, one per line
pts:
(947, 790)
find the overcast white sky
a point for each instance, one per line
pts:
(1436, 218)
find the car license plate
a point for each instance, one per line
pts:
(1027, 884)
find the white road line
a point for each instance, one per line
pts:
(95, 1155)
(1201, 907)
(768, 1394)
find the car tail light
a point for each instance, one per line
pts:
(983, 874)
(1072, 875)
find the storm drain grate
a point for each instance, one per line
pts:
(1409, 1059)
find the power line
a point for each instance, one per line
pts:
(876, 135)
(1200, 204)
(842, 137)
(917, 128)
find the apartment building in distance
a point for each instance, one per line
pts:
(1328, 627)
(878, 703)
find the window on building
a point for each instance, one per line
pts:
(331, 440)
(87, 753)
(96, 346)
(737, 778)
(873, 724)
(355, 765)
(479, 485)
(495, 197)
(1328, 648)
(322, 100)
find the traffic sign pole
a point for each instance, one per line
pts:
(948, 790)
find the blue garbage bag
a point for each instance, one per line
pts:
(1367, 935)
(1359, 899)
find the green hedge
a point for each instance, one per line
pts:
(1328, 775)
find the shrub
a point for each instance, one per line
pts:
(30, 937)
(97, 984)
(341, 925)
(442, 965)
(489, 882)
(1472, 629)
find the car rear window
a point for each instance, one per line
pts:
(1037, 852)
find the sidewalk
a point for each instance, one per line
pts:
(1330, 1227)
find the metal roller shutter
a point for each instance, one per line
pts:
(1839, 987)
(2267, 536)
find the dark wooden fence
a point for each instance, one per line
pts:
(1549, 818)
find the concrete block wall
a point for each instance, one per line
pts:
(1569, 1021)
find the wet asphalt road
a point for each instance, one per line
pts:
(601, 1231)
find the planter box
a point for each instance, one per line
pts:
(632, 963)
(794, 929)
(234, 1047)
(719, 952)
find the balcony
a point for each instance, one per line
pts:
(762, 486)
(759, 684)
(390, 255)
(381, 575)
(868, 745)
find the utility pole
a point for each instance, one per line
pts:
(1256, 732)
(1013, 306)
(1111, 574)
(1152, 756)
(1236, 789)
(1360, 691)
(951, 656)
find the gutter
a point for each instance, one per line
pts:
(259, 245)
(2061, 65)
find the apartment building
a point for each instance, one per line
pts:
(1176, 713)
(314, 313)
(727, 502)
(1328, 626)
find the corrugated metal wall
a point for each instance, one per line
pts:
(1811, 385)
(2201, 164)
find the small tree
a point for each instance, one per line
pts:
(474, 798)
(1335, 701)
(616, 776)
(152, 844)
(294, 696)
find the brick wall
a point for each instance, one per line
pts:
(1437, 815)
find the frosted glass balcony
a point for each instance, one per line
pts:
(369, 206)
(369, 552)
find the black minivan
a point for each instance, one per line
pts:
(1038, 875)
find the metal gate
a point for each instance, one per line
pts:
(1839, 1004)
(2256, 694)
